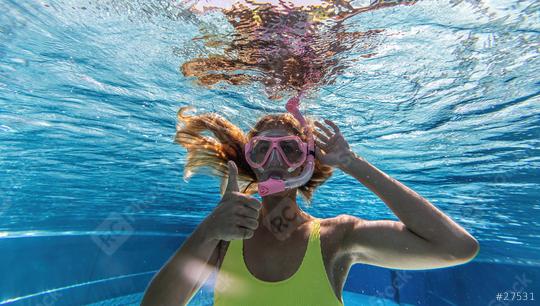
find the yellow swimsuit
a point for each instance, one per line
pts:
(236, 286)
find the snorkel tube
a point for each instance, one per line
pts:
(272, 185)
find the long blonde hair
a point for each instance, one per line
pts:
(228, 143)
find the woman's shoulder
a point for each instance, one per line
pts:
(334, 228)
(337, 223)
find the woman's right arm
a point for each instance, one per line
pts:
(235, 217)
(185, 272)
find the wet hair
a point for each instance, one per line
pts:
(227, 143)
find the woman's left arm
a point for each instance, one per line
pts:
(426, 234)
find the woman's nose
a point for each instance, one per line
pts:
(274, 159)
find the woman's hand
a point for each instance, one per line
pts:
(331, 147)
(236, 216)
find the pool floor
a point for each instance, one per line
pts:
(205, 299)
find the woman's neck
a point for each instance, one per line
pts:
(281, 215)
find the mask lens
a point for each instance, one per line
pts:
(292, 150)
(259, 149)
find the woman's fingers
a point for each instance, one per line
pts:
(247, 211)
(246, 233)
(248, 223)
(327, 142)
(321, 136)
(333, 125)
(324, 128)
(320, 145)
(331, 138)
(232, 182)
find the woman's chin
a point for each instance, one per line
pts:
(275, 177)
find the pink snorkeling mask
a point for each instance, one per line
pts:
(292, 150)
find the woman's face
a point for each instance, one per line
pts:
(275, 165)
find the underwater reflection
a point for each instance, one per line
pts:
(284, 46)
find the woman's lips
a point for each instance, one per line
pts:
(275, 174)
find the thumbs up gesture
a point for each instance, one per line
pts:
(236, 215)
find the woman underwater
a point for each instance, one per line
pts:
(271, 252)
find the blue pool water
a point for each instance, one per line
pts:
(446, 98)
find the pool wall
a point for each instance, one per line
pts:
(83, 269)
